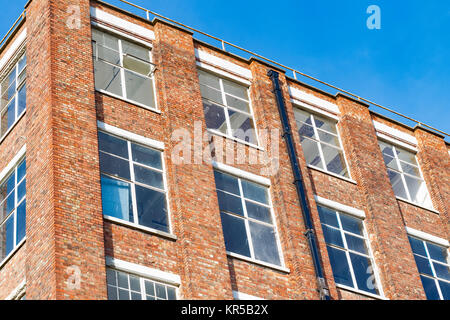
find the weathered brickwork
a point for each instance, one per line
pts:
(65, 227)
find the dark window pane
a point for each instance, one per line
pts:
(242, 126)
(334, 160)
(152, 209)
(255, 192)
(339, 264)
(122, 279)
(417, 246)
(351, 224)
(148, 176)
(171, 294)
(437, 252)
(116, 199)
(306, 131)
(21, 190)
(149, 288)
(22, 100)
(112, 293)
(363, 273)
(332, 236)
(135, 285)
(226, 182)
(112, 145)
(21, 220)
(264, 243)
(124, 294)
(230, 203)
(136, 296)
(423, 265)
(160, 291)
(214, 116)
(442, 271)
(114, 166)
(107, 77)
(328, 216)
(235, 235)
(258, 212)
(111, 277)
(147, 156)
(356, 244)
(429, 285)
(21, 170)
(445, 289)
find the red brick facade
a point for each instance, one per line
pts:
(66, 232)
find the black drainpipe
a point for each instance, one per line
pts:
(287, 134)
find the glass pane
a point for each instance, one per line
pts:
(112, 293)
(230, 203)
(139, 88)
(21, 190)
(386, 149)
(111, 277)
(264, 243)
(7, 186)
(237, 103)
(311, 152)
(429, 285)
(214, 116)
(306, 131)
(363, 273)
(9, 234)
(328, 216)
(22, 102)
(332, 236)
(325, 124)
(136, 65)
(351, 224)
(21, 170)
(122, 279)
(135, 50)
(107, 77)
(226, 182)
(116, 199)
(329, 138)
(171, 294)
(442, 271)
(418, 191)
(406, 156)
(8, 116)
(397, 184)
(258, 212)
(208, 79)
(356, 244)
(148, 176)
(423, 265)
(106, 54)
(136, 295)
(152, 209)
(9, 86)
(235, 235)
(410, 169)
(160, 291)
(22, 62)
(235, 89)
(135, 284)
(334, 160)
(149, 288)
(147, 156)
(437, 252)
(445, 289)
(302, 116)
(124, 294)
(390, 162)
(21, 222)
(105, 39)
(339, 265)
(417, 246)
(112, 145)
(242, 126)
(150, 298)
(255, 192)
(114, 166)
(211, 94)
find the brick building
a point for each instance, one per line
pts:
(112, 120)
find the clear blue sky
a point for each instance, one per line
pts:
(405, 65)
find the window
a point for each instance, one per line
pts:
(13, 95)
(123, 68)
(12, 210)
(227, 108)
(247, 221)
(133, 186)
(347, 246)
(405, 175)
(320, 142)
(124, 286)
(433, 264)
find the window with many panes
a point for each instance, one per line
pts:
(433, 263)
(133, 184)
(247, 220)
(13, 95)
(12, 210)
(405, 175)
(227, 107)
(123, 68)
(348, 250)
(125, 286)
(320, 142)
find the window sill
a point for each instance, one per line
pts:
(331, 174)
(217, 133)
(112, 95)
(13, 126)
(12, 253)
(156, 232)
(354, 290)
(260, 263)
(417, 205)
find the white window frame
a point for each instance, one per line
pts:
(340, 208)
(251, 115)
(141, 43)
(148, 143)
(319, 142)
(264, 182)
(402, 175)
(237, 295)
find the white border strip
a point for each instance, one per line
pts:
(13, 162)
(243, 296)
(302, 105)
(19, 290)
(208, 61)
(428, 237)
(150, 273)
(130, 136)
(13, 48)
(313, 100)
(340, 207)
(108, 18)
(241, 173)
(395, 136)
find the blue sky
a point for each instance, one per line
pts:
(405, 65)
